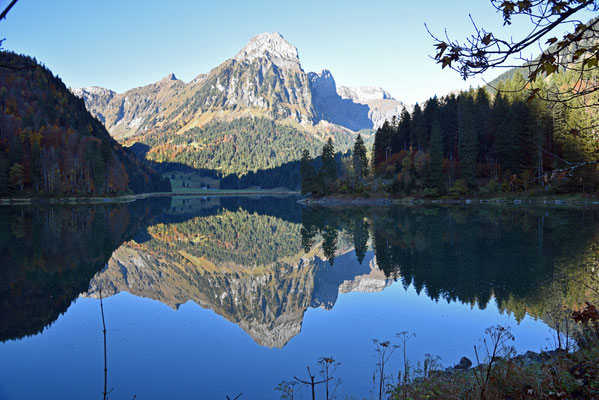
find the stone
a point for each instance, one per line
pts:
(464, 364)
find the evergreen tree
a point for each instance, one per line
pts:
(4, 168)
(329, 242)
(483, 122)
(430, 113)
(360, 159)
(361, 235)
(498, 128)
(382, 144)
(329, 165)
(417, 128)
(401, 140)
(435, 173)
(467, 141)
(307, 173)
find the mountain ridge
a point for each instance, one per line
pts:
(266, 58)
(265, 79)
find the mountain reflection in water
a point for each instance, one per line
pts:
(262, 262)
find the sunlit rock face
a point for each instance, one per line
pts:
(381, 105)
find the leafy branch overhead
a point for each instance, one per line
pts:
(576, 50)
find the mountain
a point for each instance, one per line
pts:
(216, 113)
(50, 145)
(248, 268)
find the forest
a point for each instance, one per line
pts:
(483, 142)
(230, 147)
(50, 145)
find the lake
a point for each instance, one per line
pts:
(208, 297)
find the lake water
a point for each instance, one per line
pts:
(212, 297)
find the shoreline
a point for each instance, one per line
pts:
(387, 201)
(128, 198)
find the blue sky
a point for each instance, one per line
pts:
(124, 44)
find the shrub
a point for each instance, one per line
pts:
(430, 192)
(459, 188)
(491, 188)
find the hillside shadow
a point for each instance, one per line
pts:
(284, 176)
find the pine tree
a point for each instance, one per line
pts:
(4, 168)
(360, 159)
(418, 128)
(329, 166)
(382, 144)
(307, 173)
(467, 141)
(401, 140)
(360, 235)
(482, 121)
(435, 175)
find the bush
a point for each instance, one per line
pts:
(430, 193)
(491, 188)
(459, 188)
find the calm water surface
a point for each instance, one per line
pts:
(209, 297)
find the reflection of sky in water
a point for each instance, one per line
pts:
(156, 353)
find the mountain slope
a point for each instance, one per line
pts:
(51, 145)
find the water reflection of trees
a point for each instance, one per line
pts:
(468, 254)
(48, 255)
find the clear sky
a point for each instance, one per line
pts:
(121, 44)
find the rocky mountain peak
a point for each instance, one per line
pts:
(323, 83)
(92, 91)
(170, 77)
(363, 94)
(272, 46)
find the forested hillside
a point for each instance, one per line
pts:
(50, 145)
(475, 143)
(239, 146)
(507, 143)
